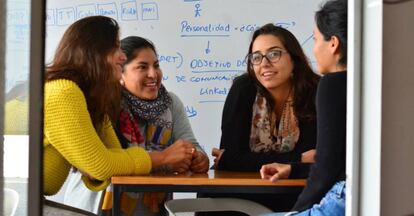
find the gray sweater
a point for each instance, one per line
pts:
(181, 125)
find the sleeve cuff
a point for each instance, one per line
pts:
(95, 185)
(142, 160)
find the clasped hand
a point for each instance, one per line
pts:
(182, 156)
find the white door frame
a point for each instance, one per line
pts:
(364, 100)
(353, 106)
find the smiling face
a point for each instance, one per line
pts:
(142, 76)
(272, 75)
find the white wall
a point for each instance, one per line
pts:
(397, 153)
(370, 117)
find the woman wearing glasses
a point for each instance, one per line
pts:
(269, 113)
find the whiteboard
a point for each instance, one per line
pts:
(201, 44)
(17, 42)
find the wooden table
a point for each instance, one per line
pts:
(211, 182)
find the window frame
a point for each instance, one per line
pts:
(37, 59)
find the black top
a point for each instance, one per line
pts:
(329, 166)
(236, 127)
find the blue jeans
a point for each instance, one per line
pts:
(332, 204)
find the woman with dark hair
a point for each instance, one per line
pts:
(82, 96)
(324, 193)
(146, 101)
(151, 118)
(269, 113)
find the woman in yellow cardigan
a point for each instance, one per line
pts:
(82, 96)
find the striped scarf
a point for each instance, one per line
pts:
(155, 113)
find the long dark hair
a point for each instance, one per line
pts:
(82, 57)
(133, 44)
(304, 80)
(332, 20)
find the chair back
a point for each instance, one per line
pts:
(215, 204)
(11, 200)
(51, 208)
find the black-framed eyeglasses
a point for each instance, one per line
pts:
(272, 56)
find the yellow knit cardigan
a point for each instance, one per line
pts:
(71, 140)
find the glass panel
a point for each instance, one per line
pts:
(16, 107)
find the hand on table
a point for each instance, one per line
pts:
(275, 171)
(217, 154)
(200, 162)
